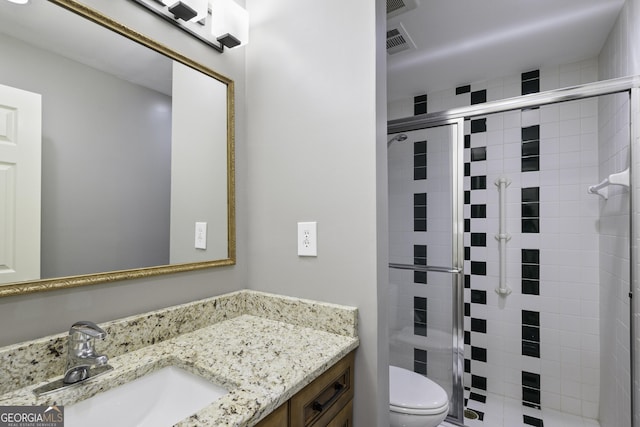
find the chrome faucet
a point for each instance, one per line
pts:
(81, 354)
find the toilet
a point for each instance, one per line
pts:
(415, 400)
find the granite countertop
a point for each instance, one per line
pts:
(262, 348)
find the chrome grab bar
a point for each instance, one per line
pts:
(418, 267)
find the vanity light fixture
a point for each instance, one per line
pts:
(188, 10)
(182, 11)
(230, 23)
(19, 1)
(218, 24)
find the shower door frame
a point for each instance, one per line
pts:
(456, 116)
(456, 268)
(634, 273)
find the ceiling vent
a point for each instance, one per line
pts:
(397, 7)
(398, 40)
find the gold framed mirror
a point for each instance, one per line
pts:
(92, 231)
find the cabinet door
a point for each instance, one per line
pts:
(278, 418)
(344, 417)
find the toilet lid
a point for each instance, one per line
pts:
(410, 390)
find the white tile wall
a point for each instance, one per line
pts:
(580, 264)
(619, 57)
(614, 272)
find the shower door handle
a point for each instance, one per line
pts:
(419, 267)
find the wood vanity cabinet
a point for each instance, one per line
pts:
(278, 418)
(327, 401)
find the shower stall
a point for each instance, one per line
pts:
(510, 255)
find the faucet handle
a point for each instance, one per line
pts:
(87, 329)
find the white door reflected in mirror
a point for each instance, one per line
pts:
(20, 157)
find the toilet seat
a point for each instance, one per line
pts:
(414, 411)
(414, 394)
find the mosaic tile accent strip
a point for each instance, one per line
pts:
(530, 148)
(420, 105)
(420, 212)
(479, 97)
(531, 271)
(530, 82)
(479, 182)
(531, 389)
(420, 160)
(479, 239)
(531, 210)
(420, 316)
(531, 333)
(420, 361)
(478, 154)
(475, 185)
(532, 421)
(478, 125)
(479, 325)
(463, 89)
(420, 258)
(478, 211)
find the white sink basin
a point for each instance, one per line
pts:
(161, 398)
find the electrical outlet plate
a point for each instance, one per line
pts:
(307, 239)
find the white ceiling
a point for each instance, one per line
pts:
(464, 41)
(458, 41)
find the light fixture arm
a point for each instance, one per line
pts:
(174, 21)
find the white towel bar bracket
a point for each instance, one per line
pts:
(503, 291)
(602, 189)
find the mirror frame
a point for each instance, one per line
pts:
(41, 285)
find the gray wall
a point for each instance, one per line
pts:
(313, 155)
(105, 164)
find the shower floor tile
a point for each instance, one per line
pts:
(500, 411)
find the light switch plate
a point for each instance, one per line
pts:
(307, 239)
(201, 235)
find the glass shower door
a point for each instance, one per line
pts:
(426, 255)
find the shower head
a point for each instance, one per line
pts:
(399, 137)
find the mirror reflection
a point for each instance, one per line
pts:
(134, 152)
